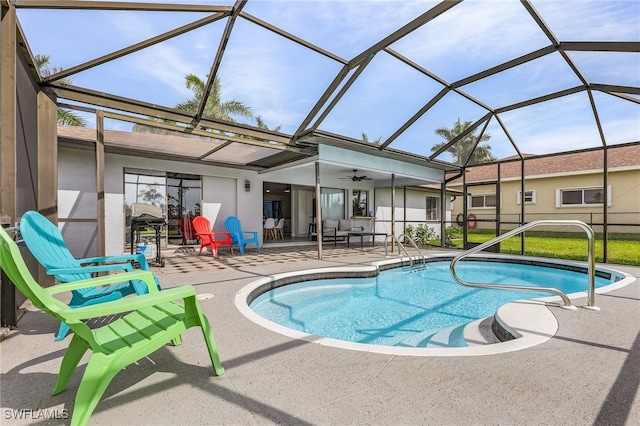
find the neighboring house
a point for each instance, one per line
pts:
(570, 186)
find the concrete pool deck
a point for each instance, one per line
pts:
(587, 373)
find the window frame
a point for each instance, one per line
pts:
(327, 197)
(430, 210)
(532, 199)
(560, 191)
(484, 201)
(356, 204)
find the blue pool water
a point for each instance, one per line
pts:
(407, 308)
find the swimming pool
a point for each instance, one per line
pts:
(407, 308)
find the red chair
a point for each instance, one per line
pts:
(188, 233)
(202, 226)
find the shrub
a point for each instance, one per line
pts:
(424, 234)
(409, 232)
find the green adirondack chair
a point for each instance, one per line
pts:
(154, 319)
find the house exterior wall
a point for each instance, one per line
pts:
(410, 209)
(223, 191)
(623, 192)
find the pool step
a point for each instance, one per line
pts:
(475, 333)
(452, 337)
(479, 332)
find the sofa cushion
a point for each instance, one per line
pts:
(345, 225)
(331, 223)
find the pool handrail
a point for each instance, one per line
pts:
(521, 229)
(401, 246)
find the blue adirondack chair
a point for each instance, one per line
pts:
(238, 236)
(45, 242)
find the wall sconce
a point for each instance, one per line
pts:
(247, 185)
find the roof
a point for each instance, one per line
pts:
(539, 76)
(623, 157)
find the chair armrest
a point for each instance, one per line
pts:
(118, 259)
(128, 304)
(334, 232)
(226, 235)
(254, 233)
(90, 269)
(145, 276)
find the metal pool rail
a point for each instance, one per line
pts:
(590, 262)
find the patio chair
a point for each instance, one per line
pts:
(269, 228)
(280, 228)
(147, 323)
(186, 229)
(45, 242)
(202, 227)
(238, 236)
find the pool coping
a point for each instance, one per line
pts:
(523, 323)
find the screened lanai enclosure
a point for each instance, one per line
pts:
(524, 110)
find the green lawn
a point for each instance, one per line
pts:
(564, 246)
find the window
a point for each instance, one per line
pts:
(332, 203)
(577, 197)
(178, 195)
(145, 186)
(529, 197)
(359, 201)
(432, 209)
(483, 201)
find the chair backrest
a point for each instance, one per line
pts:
(45, 242)
(202, 227)
(280, 223)
(186, 227)
(233, 226)
(13, 265)
(270, 223)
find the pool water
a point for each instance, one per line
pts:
(408, 307)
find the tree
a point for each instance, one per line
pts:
(463, 148)
(65, 116)
(365, 138)
(262, 125)
(214, 107)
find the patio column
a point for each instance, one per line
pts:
(318, 212)
(8, 147)
(393, 211)
(47, 180)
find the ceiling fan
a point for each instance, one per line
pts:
(356, 178)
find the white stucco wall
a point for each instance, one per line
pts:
(221, 187)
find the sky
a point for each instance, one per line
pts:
(281, 81)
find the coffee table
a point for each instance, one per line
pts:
(363, 234)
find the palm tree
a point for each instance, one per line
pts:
(463, 148)
(365, 138)
(65, 117)
(262, 125)
(214, 106)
